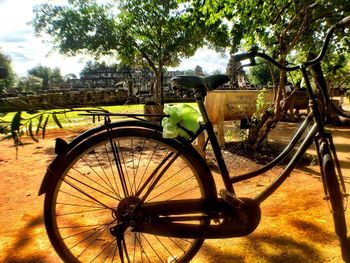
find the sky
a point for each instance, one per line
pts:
(17, 40)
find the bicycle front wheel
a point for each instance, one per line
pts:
(107, 175)
(336, 199)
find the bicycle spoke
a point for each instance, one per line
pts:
(173, 187)
(125, 250)
(88, 195)
(175, 196)
(97, 256)
(121, 154)
(90, 187)
(170, 177)
(157, 178)
(116, 157)
(81, 212)
(134, 250)
(105, 183)
(79, 226)
(77, 205)
(147, 166)
(133, 165)
(115, 251)
(85, 231)
(176, 243)
(77, 197)
(86, 238)
(93, 240)
(155, 252)
(114, 245)
(105, 174)
(93, 181)
(138, 165)
(120, 249)
(112, 171)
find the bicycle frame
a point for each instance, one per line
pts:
(181, 212)
(91, 201)
(315, 135)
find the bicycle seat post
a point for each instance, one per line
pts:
(215, 144)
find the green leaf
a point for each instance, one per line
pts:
(39, 124)
(56, 120)
(44, 126)
(16, 122)
(30, 129)
(65, 115)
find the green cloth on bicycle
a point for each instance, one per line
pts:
(180, 115)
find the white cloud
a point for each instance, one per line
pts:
(17, 40)
(207, 59)
(26, 51)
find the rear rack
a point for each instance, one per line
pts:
(137, 116)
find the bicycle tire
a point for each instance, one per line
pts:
(77, 225)
(336, 203)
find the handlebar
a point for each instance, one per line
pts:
(344, 23)
(245, 56)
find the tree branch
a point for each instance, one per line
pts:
(278, 16)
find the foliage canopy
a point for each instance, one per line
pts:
(153, 33)
(5, 62)
(48, 75)
(280, 28)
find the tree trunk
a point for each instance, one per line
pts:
(158, 87)
(331, 115)
(268, 120)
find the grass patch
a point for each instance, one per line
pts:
(71, 118)
(67, 116)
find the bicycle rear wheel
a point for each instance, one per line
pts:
(336, 197)
(81, 203)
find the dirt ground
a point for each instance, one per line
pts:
(296, 223)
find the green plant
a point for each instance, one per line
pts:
(30, 124)
(261, 106)
(347, 93)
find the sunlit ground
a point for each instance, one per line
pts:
(296, 225)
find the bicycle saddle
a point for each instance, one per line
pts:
(199, 83)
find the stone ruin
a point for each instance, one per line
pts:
(236, 74)
(103, 87)
(64, 99)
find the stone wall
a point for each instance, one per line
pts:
(64, 99)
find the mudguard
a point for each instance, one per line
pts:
(63, 148)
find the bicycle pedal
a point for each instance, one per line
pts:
(230, 198)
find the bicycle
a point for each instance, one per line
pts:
(122, 192)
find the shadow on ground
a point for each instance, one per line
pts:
(271, 247)
(25, 241)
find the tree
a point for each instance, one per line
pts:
(69, 76)
(5, 62)
(279, 27)
(153, 33)
(55, 76)
(262, 73)
(30, 84)
(216, 71)
(92, 67)
(49, 76)
(336, 70)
